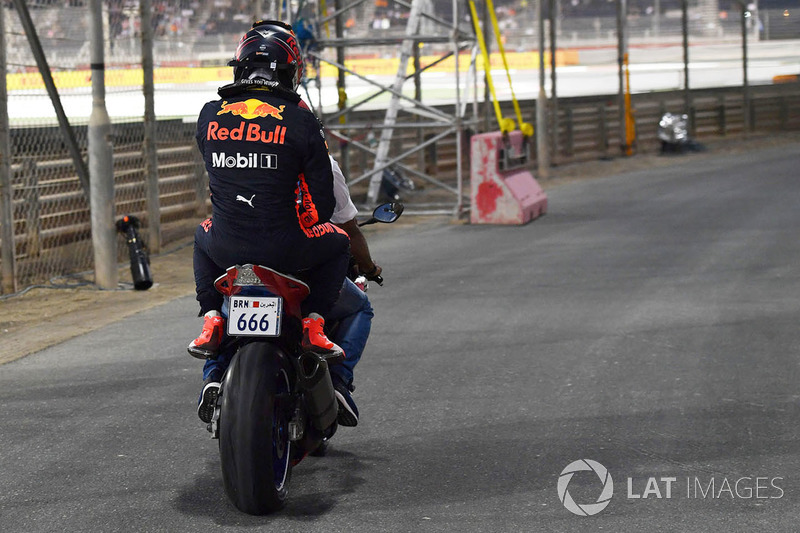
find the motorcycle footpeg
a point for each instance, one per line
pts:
(333, 358)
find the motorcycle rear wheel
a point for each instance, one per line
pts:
(254, 445)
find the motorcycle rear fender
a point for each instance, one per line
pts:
(292, 290)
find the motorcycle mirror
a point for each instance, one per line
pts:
(386, 213)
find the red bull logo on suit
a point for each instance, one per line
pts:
(251, 108)
(253, 133)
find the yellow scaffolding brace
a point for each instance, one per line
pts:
(506, 124)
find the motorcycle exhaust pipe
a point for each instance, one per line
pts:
(320, 399)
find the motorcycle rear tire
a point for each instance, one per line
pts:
(254, 445)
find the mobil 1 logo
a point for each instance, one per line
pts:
(238, 160)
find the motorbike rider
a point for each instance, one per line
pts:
(352, 310)
(262, 151)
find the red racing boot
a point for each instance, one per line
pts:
(207, 344)
(314, 339)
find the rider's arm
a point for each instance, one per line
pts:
(344, 216)
(360, 250)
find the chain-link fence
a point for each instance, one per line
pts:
(49, 210)
(50, 207)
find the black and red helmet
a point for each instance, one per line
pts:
(270, 48)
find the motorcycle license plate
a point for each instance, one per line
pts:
(255, 316)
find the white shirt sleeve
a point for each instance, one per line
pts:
(345, 209)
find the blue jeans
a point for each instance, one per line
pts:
(352, 311)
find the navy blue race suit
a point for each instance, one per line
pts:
(272, 196)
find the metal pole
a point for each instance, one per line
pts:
(457, 124)
(418, 97)
(553, 96)
(756, 16)
(341, 86)
(657, 18)
(8, 272)
(382, 151)
(685, 31)
(101, 165)
(745, 85)
(47, 78)
(542, 157)
(150, 152)
(622, 10)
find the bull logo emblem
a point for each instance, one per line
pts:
(252, 108)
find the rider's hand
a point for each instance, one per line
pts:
(374, 274)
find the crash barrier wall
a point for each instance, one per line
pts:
(51, 214)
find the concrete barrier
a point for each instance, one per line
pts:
(503, 192)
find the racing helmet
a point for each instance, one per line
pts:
(269, 50)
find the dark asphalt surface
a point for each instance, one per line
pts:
(649, 322)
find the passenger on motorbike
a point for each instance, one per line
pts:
(262, 151)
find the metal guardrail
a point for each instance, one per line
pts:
(51, 218)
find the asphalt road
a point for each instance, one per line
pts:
(649, 323)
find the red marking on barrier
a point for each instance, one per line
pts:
(487, 196)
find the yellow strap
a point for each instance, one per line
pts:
(342, 104)
(526, 129)
(323, 11)
(630, 122)
(506, 125)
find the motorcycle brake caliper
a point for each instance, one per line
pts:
(289, 407)
(297, 425)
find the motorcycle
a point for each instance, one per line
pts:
(276, 403)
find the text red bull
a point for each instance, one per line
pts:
(253, 133)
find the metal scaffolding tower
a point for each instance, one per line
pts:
(446, 40)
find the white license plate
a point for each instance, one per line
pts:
(255, 316)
